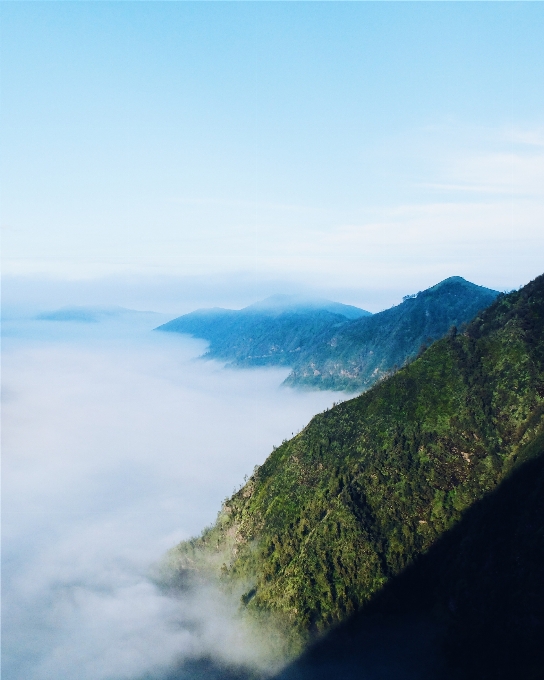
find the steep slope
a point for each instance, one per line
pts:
(343, 508)
(470, 608)
(272, 332)
(359, 354)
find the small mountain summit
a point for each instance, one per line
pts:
(298, 303)
(459, 280)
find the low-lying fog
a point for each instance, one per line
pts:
(116, 445)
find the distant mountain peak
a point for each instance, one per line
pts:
(299, 303)
(88, 314)
(452, 282)
(453, 279)
(456, 280)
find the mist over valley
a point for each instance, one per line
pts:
(116, 445)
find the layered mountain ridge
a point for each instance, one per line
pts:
(329, 345)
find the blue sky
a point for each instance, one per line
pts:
(169, 155)
(356, 144)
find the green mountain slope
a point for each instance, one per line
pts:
(334, 346)
(343, 508)
(472, 607)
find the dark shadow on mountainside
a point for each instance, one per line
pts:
(472, 608)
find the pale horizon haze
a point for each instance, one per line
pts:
(338, 146)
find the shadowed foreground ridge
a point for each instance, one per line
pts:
(339, 512)
(471, 608)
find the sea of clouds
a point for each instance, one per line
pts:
(118, 443)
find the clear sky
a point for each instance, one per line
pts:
(349, 143)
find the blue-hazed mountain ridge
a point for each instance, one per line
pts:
(329, 345)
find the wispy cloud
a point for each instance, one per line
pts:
(455, 193)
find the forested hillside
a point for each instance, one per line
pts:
(357, 355)
(273, 332)
(337, 513)
(471, 608)
(334, 346)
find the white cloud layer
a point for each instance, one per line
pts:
(116, 445)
